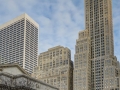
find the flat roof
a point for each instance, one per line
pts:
(19, 18)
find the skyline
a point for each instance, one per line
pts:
(59, 21)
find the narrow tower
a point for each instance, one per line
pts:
(99, 24)
(82, 63)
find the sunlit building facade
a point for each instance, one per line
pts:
(55, 68)
(82, 64)
(103, 64)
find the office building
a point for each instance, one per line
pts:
(19, 42)
(103, 64)
(55, 68)
(82, 64)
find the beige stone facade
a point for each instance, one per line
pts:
(111, 74)
(55, 68)
(99, 59)
(82, 64)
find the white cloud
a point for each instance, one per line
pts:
(59, 20)
(64, 26)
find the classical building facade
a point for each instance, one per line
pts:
(19, 42)
(55, 68)
(13, 77)
(100, 50)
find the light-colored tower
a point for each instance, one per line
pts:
(19, 42)
(56, 68)
(99, 24)
(105, 69)
(82, 63)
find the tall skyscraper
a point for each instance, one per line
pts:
(19, 42)
(103, 64)
(55, 68)
(99, 24)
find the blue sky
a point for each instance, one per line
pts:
(59, 20)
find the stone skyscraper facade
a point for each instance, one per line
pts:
(19, 42)
(82, 70)
(99, 58)
(55, 68)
